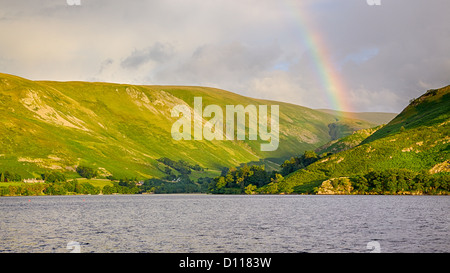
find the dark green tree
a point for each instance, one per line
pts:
(86, 172)
(52, 177)
(359, 183)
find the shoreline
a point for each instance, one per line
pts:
(215, 194)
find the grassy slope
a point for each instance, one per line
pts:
(347, 142)
(122, 129)
(417, 139)
(373, 117)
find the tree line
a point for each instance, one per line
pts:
(181, 184)
(50, 188)
(181, 166)
(246, 179)
(83, 171)
(255, 179)
(8, 176)
(392, 181)
(124, 186)
(55, 183)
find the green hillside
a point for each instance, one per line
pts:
(429, 110)
(347, 142)
(122, 130)
(416, 140)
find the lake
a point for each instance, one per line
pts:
(225, 223)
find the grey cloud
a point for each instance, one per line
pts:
(157, 53)
(224, 65)
(105, 64)
(257, 48)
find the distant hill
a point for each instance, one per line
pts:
(122, 130)
(373, 117)
(417, 140)
(347, 142)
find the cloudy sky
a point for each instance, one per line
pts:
(381, 55)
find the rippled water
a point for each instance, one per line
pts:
(215, 223)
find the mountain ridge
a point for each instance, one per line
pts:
(122, 129)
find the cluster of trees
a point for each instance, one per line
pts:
(50, 188)
(255, 179)
(7, 176)
(296, 163)
(396, 181)
(245, 179)
(52, 177)
(182, 184)
(176, 183)
(55, 184)
(124, 186)
(87, 172)
(71, 187)
(25, 189)
(181, 166)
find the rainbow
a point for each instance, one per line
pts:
(326, 70)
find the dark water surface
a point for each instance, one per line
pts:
(216, 223)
